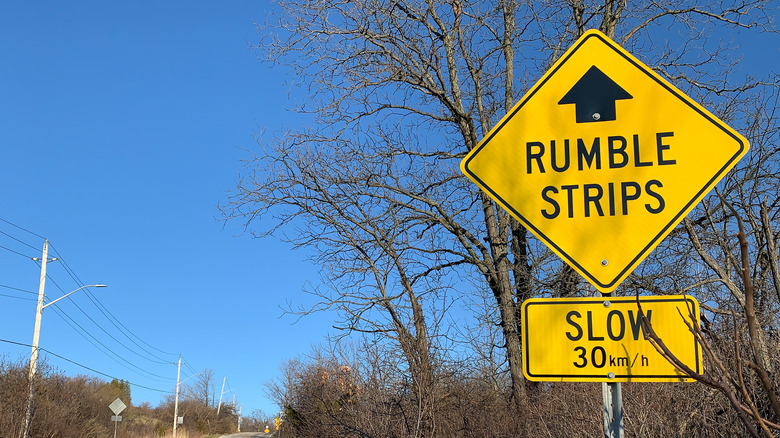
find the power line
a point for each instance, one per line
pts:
(106, 375)
(15, 252)
(23, 229)
(105, 348)
(81, 330)
(17, 289)
(191, 369)
(110, 316)
(123, 329)
(86, 367)
(18, 298)
(106, 332)
(18, 240)
(87, 335)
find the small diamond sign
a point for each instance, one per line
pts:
(117, 406)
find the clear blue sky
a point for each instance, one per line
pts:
(122, 126)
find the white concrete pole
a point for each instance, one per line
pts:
(176, 398)
(36, 335)
(222, 391)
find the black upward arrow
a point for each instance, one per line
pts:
(594, 97)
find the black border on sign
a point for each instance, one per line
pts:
(599, 302)
(688, 101)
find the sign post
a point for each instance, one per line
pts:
(117, 406)
(612, 394)
(600, 160)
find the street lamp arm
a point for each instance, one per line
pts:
(70, 293)
(188, 378)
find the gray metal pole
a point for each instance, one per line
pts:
(613, 409)
(612, 395)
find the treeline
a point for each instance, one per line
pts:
(364, 393)
(78, 407)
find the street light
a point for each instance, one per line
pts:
(36, 333)
(176, 402)
(34, 354)
(38, 314)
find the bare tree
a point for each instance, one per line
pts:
(398, 91)
(726, 255)
(731, 370)
(202, 389)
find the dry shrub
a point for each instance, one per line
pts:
(77, 407)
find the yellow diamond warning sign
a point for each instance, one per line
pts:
(602, 158)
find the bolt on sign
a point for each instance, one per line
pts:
(602, 339)
(602, 158)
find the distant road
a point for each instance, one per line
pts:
(247, 435)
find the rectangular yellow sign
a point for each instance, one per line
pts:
(602, 339)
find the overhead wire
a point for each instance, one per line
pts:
(86, 335)
(15, 252)
(89, 337)
(105, 349)
(86, 367)
(82, 331)
(189, 368)
(17, 298)
(186, 376)
(107, 375)
(110, 316)
(112, 319)
(18, 289)
(21, 228)
(104, 330)
(187, 364)
(127, 332)
(19, 240)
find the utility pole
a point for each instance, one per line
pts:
(176, 399)
(36, 335)
(25, 433)
(221, 392)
